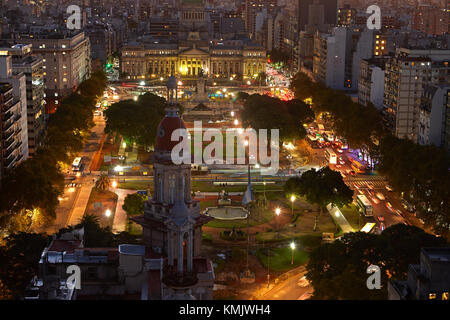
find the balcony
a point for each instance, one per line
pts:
(10, 161)
(6, 135)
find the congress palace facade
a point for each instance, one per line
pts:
(237, 59)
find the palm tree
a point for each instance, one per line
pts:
(89, 219)
(102, 183)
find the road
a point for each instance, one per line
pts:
(75, 198)
(293, 288)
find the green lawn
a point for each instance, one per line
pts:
(352, 215)
(279, 259)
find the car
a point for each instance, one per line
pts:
(340, 150)
(352, 172)
(370, 186)
(382, 226)
(303, 282)
(340, 158)
(389, 188)
(380, 196)
(389, 206)
(399, 212)
(408, 207)
(341, 162)
(343, 175)
(338, 166)
(375, 200)
(380, 218)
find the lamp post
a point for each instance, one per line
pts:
(292, 204)
(277, 212)
(108, 213)
(293, 248)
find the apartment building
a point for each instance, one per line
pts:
(405, 76)
(66, 59)
(371, 82)
(32, 67)
(433, 112)
(13, 117)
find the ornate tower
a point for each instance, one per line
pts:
(172, 222)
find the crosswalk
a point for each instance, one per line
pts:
(363, 184)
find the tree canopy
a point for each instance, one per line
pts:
(134, 204)
(320, 187)
(420, 172)
(37, 182)
(338, 270)
(264, 112)
(136, 121)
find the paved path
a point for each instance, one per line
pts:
(339, 218)
(120, 217)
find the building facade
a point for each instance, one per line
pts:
(190, 59)
(429, 280)
(406, 75)
(432, 115)
(67, 62)
(32, 67)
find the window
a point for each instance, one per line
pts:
(445, 296)
(432, 296)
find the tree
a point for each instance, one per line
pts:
(338, 270)
(94, 234)
(264, 112)
(102, 183)
(134, 204)
(19, 261)
(321, 187)
(136, 121)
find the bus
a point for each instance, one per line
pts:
(357, 166)
(331, 156)
(364, 205)
(76, 165)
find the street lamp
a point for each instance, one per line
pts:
(293, 248)
(108, 213)
(114, 184)
(232, 113)
(236, 122)
(292, 204)
(277, 212)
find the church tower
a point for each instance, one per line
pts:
(172, 223)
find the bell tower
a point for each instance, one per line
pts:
(172, 223)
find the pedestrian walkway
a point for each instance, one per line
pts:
(339, 219)
(120, 217)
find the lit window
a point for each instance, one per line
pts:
(432, 296)
(445, 296)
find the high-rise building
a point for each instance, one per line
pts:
(329, 16)
(433, 109)
(406, 75)
(252, 8)
(32, 67)
(432, 20)
(371, 82)
(13, 116)
(67, 62)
